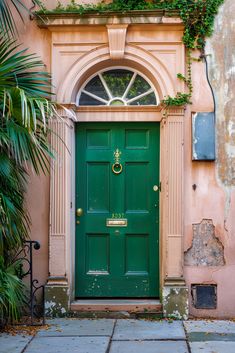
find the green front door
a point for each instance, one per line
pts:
(117, 243)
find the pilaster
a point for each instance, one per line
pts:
(57, 291)
(174, 293)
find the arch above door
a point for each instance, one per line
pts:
(135, 57)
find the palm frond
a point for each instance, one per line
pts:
(24, 106)
(7, 23)
(18, 69)
(25, 112)
(12, 290)
(14, 217)
(7, 19)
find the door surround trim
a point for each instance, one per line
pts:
(62, 220)
(157, 51)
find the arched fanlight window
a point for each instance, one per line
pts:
(117, 87)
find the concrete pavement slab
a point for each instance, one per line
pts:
(144, 330)
(148, 347)
(78, 327)
(68, 345)
(212, 347)
(218, 326)
(13, 344)
(210, 336)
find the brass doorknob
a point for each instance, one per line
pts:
(79, 212)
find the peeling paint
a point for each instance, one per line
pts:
(175, 302)
(221, 71)
(228, 193)
(56, 301)
(206, 249)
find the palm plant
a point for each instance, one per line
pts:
(7, 23)
(12, 291)
(25, 111)
(24, 114)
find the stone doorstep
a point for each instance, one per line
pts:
(117, 305)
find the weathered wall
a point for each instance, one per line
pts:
(210, 208)
(222, 74)
(213, 201)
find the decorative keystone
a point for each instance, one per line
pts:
(117, 40)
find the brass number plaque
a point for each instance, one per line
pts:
(121, 222)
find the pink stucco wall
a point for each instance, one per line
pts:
(214, 197)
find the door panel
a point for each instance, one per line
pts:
(136, 189)
(117, 261)
(137, 139)
(98, 189)
(137, 254)
(97, 253)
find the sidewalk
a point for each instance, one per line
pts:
(125, 336)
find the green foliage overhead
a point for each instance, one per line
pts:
(197, 15)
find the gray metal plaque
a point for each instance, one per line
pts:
(203, 136)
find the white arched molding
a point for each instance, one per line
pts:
(159, 74)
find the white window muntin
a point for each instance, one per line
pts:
(109, 93)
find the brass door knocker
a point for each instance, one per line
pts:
(117, 167)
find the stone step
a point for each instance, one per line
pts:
(117, 307)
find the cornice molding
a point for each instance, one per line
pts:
(129, 108)
(72, 19)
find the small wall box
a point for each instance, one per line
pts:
(203, 136)
(204, 296)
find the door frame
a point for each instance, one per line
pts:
(62, 194)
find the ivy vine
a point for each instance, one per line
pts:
(197, 16)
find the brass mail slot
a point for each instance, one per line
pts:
(121, 222)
